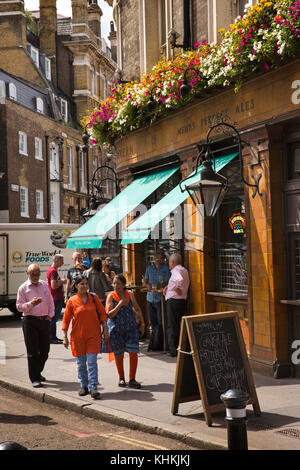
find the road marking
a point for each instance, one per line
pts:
(112, 436)
(129, 440)
(72, 432)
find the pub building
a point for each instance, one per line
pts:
(247, 257)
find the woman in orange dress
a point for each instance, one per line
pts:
(85, 335)
(125, 318)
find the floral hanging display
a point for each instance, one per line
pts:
(264, 38)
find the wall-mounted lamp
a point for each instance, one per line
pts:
(172, 37)
(2, 174)
(186, 88)
(208, 193)
(118, 76)
(152, 103)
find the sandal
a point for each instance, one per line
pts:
(122, 383)
(134, 384)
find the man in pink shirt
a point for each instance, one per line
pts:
(35, 301)
(176, 294)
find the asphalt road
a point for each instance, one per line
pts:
(40, 426)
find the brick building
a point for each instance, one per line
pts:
(52, 70)
(253, 270)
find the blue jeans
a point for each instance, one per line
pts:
(154, 313)
(58, 305)
(87, 369)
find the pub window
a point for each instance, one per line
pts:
(294, 161)
(231, 236)
(168, 235)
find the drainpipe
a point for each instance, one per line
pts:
(47, 178)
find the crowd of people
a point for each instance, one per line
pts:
(104, 314)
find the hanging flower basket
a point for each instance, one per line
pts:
(266, 37)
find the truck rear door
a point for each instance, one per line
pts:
(3, 265)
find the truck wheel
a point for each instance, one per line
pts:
(12, 307)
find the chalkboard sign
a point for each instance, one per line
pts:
(212, 359)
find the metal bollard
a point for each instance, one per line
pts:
(235, 402)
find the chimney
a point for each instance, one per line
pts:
(113, 41)
(48, 29)
(94, 18)
(79, 19)
(13, 24)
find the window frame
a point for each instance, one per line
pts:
(70, 165)
(12, 91)
(48, 68)
(21, 150)
(82, 172)
(39, 105)
(64, 115)
(34, 50)
(39, 155)
(25, 213)
(39, 205)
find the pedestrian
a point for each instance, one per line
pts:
(97, 280)
(88, 315)
(56, 287)
(125, 318)
(35, 301)
(74, 272)
(176, 294)
(107, 271)
(85, 260)
(112, 266)
(157, 276)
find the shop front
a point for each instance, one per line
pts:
(238, 260)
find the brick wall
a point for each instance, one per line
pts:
(130, 39)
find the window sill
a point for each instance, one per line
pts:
(229, 295)
(294, 302)
(23, 153)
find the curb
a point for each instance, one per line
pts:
(119, 418)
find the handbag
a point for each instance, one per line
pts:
(105, 346)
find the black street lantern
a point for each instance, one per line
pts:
(209, 191)
(208, 194)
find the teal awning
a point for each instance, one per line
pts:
(140, 229)
(92, 233)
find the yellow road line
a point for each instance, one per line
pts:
(129, 440)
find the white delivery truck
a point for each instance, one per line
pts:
(24, 244)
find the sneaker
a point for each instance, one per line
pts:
(122, 383)
(37, 384)
(95, 394)
(134, 384)
(83, 391)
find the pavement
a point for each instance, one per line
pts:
(149, 409)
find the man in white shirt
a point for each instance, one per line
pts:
(176, 294)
